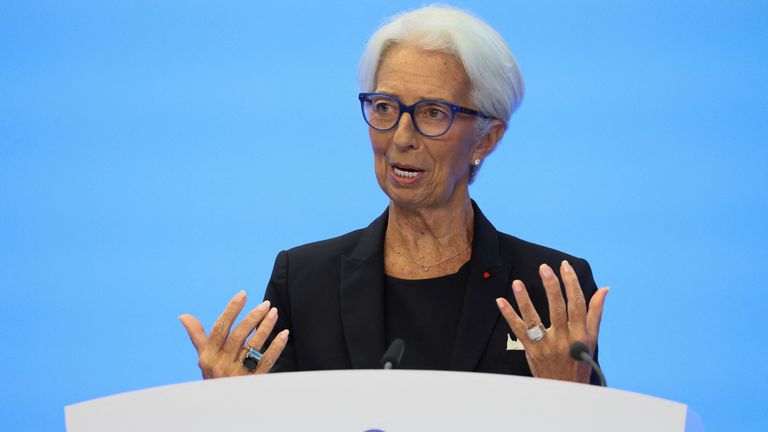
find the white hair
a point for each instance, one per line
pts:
(497, 85)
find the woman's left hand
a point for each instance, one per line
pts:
(550, 357)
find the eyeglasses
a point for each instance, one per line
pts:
(430, 117)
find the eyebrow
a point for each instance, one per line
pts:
(419, 99)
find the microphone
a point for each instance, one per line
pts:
(580, 352)
(393, 355)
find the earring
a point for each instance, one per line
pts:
(477, 162)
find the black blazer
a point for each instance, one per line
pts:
(330, 294)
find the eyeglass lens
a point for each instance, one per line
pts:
(431, 118)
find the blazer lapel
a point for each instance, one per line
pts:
(488, 280)
(362, 297)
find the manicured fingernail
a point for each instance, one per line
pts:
(566, 266)
(272, 313)
(500, 303)
(284, 334)
(517, 286)
(546, 271)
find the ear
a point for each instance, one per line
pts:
(487, 143)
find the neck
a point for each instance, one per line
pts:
(431, 233)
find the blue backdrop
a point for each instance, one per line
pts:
(155, 156)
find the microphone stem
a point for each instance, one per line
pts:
(587, 358)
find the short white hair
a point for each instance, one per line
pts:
(497, 84)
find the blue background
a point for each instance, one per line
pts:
(155, 156)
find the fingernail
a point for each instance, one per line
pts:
(546, 271)
(517, 286)
(284, 334)
(262, 307)
(499, 303)
(566, 266)
(272, 313)
(240, 295)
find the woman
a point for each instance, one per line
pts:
(438, 88)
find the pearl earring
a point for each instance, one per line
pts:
(477, 162)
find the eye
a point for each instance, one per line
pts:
(434, 112)
(383, 106)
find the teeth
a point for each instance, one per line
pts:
(403, 173)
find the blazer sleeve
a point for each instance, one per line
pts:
(278, 295)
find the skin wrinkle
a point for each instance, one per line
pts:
(432, 219)
(482, 126)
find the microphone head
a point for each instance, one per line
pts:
(577, 349)
(394, 353)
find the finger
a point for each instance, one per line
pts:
(264, 330)
(557, 314)
(236, 340)
(528, 312)
(595, 314)
(577, 308)
(273, 352)
(221, 327)
(513, 320)
(195, 331)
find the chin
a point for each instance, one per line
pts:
(405, 199)
(413, 199)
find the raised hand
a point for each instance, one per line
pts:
(548, 357)
(221, 353)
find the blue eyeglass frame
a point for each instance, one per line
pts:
(410, 110)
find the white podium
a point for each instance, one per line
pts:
(380, 400)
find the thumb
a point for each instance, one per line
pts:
(595, 314)
(195, 331)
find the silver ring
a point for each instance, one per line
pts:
(536, 333)
(252, 358)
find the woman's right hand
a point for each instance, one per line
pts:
(221, 353)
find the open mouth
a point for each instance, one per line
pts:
(405, 171)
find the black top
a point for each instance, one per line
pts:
(331, 295)
(425, 314)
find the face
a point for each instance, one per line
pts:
(416, 171)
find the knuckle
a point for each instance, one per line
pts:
(218, 371)
(204, 364)
(261, 333)
(551, 282)
(219, 327)
(238, 337)
(267, 362)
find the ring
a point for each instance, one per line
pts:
(252, 358)
(536, 333)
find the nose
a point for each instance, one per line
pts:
(406, 136)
